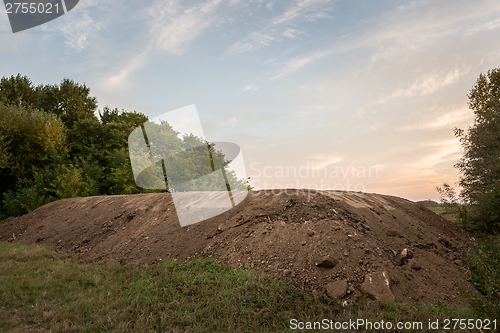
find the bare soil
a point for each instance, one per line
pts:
(282, 234)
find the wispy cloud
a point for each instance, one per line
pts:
(276, 29)
(80, 25)
(291, 33)
(430, 83)
(323, 161)
(447, 151)
(490, 25)
(174, 27)
(302, 8)
(448, 120)
(122, 75)
(249, 87)
(254, 41)
(297, 63)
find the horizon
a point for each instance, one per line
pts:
(340, 87)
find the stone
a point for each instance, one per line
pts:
(310, 232)
(327, 262)
(402, 258)
(376, 286)
(392, 233)
(336, 289)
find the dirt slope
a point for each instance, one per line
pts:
(280, 234)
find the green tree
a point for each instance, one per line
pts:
(480, 163)
(26, 136)
(69, 100)
(18, 90)
(4, 153)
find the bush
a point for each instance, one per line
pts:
(484, 264)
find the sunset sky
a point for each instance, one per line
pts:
(359, 95)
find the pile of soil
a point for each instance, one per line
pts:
(323, 242)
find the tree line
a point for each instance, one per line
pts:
(55, 143)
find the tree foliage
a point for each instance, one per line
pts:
(27, 135)
(70, 101)
(53, 145)
(480, 163)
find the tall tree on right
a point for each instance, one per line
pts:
(480, 164)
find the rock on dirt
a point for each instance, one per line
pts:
(336, 289)
(377, 287)
(327, 262)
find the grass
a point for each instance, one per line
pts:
(484, 264)
(45, 291)
(6, 220)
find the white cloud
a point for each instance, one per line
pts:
(447, 120)
(290, 33)
(241, 47)
(250, 87)
(447, 151)
(254, 41)
(490, 25)
(175, 27)
(323, 161)
(300, 9)
(297, 63)
(251, 43)
(275, 30)
(78, 32)
(122, 75)
(430, 83)
(79, 26)
(230, 122)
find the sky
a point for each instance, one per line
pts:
(320, 94)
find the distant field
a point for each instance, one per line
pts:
(438, 210)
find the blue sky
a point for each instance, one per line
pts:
(359, 95)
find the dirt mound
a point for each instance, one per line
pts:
(326, 242)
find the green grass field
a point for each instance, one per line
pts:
(41, 290)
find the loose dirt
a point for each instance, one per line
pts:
(315, 241)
